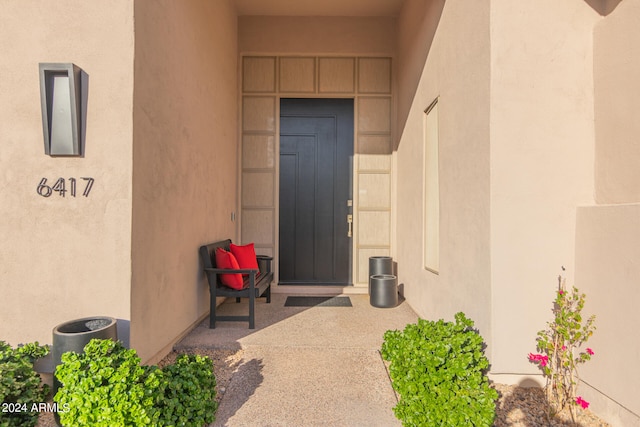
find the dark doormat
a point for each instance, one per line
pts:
(296, 301)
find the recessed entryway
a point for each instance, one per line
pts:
(316, 191)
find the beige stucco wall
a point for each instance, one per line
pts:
(523, 167)
(456, 70)
(607, 271)
(184, 159)
(62, 258)
(608, 235)
(65, 258)
(317, 35)
(541, 163)
(616, 68)
(418, 22)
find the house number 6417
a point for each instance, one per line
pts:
(60, 186)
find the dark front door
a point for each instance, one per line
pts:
(316, 155)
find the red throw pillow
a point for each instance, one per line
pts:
(246, 255)
(226, 260)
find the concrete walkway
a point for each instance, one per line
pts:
(306, 366)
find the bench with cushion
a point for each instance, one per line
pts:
(232, 280)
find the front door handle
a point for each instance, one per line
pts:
(350, 223)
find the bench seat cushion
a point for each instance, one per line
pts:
(246, 255)
(226, 260)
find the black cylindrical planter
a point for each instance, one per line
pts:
(379, 265)
(75, 334)
(384, 290)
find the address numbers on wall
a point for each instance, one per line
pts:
(63, 186)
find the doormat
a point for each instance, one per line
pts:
(296, 301)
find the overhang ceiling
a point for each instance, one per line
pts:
(319, 7)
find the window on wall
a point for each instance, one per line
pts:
(431, 211)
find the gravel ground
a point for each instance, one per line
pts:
(526, 407)
(517, 407)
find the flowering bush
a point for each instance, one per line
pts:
(560, 346)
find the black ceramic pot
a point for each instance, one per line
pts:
(75, 334)
(384, 291)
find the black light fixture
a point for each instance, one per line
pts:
(63, 95)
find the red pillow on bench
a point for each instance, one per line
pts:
(246, 256)
(226, 260)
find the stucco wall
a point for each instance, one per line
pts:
(318, 35)
(541, 162)
(418, 24)
(62, 258)
(616, 68)
(607, 271)
(608, 236)
(456, 70)
(185, 161)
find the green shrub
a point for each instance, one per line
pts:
(439, 371)
(107, 386)
(20, 385)
(104, 386)
(186, 394)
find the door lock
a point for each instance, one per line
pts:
(350, 223)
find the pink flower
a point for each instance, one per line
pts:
(564, 347)
(591, 353)
(539, 358)
(560, 292)
(580, 401)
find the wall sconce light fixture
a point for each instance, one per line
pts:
(63, 95)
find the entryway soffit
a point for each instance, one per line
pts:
(319, 8)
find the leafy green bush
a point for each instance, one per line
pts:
(438, 369)
(186, 393)
(20, 385)
(104, 386)
(107, 386)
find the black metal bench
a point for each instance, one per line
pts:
(254, 285)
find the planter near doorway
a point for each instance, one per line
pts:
(75, 334)
(384, 291)
(379, 265)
